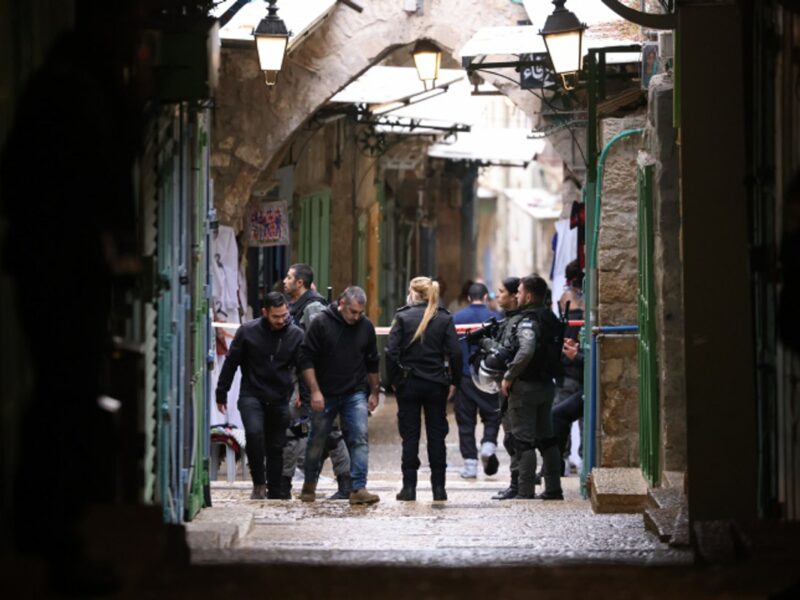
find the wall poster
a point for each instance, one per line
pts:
(269, 224)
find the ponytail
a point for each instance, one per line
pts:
(427, 289)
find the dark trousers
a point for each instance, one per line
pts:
(568, 410)
(265, 433)
(413, 397)
(469, 403)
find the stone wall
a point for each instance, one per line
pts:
(617, 303)
(668, 274)
(254, 124)
(619, 401)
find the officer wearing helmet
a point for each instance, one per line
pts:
(528, 382)
(503, 338)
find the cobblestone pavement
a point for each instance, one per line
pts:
(469, 529)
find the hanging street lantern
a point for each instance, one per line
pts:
(563, 38)
(272, 38)
(427, 59)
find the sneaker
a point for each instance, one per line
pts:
(470, 470)
(488, 458)
(362, 496)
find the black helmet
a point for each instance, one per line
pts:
(488, 372)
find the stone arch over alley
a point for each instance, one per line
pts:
(254, 124)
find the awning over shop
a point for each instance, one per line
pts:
(301, 19)
(537, 202)
(491, 145)
(505, 43)
(382, 85)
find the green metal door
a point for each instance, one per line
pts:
(197, 423)
(315, 236)
(649, 418)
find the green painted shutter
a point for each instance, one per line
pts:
(315, 236)
(649, 418)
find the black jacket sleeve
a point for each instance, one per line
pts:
(454, 351)
(311, 346)
(372, 358)
(394, 346)
(233, 359)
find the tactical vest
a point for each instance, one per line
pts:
(546, 362)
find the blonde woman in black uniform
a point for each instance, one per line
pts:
(421, 342)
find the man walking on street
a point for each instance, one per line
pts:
(470, 401)
(306, 304)
(339, 362)
(267, 351)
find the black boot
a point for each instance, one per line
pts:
(409, 491)
(285, 490)
(511, 491)
(551, 473)
(345, 487)
(437, 485)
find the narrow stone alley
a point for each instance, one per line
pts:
(470, 529)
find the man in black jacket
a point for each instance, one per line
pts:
(305, 305)
(339, 361)
(267, 351)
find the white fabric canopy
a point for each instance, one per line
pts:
(494, 145)
(380, 85)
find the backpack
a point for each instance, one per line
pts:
(549, 343)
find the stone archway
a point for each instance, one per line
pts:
(253, 124)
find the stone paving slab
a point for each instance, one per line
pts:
(469, 530)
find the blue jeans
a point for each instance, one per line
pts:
(352, 408)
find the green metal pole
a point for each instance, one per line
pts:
(589, 190)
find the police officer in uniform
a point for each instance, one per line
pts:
(507, 300)
(421, 341)
(528, 384)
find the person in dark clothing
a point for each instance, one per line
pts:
(339, 361)
(305, 302)
(470, 401)
(530, 389)
(422, 337)
(305, 305)
(568, 401)
(507, 299)
(267, 351)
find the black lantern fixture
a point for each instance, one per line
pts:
(563, 38)
(427, 59)
(272, 38)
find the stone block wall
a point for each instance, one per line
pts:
(619, 401)
(668, 274)
(617, 275)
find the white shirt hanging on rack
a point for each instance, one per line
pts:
(566, 252)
